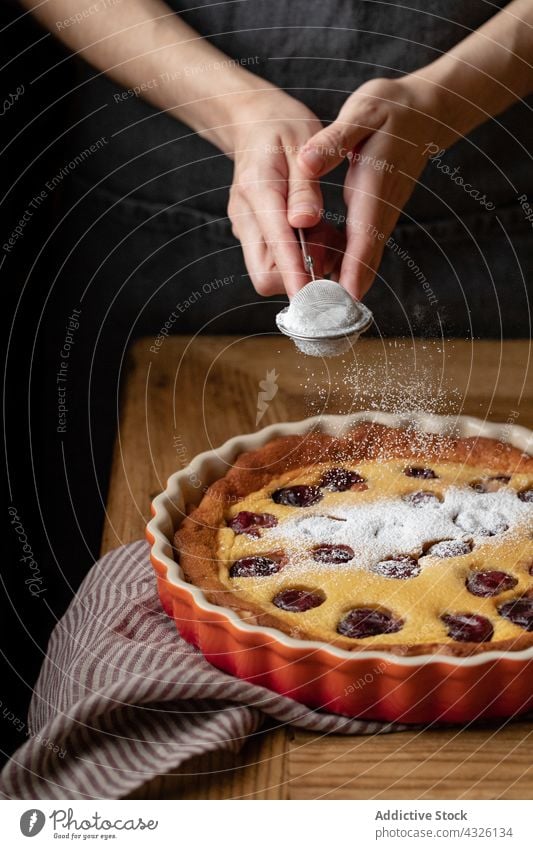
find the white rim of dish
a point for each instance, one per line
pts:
(165, 511)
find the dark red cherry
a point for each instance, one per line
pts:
(420, 499)
(327, 553)
(490, 582)
(367, 622)
(449, 548)
(254, 567)
(249, 523)
(490, 484)
(339, 480)
(298, 601)
(301, 495)
(419, 472)
(531, 569)
(401, 567)
(519, 611)
(494, 530)
(526, 495)
(468, 627)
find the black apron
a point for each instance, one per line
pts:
(157, 193)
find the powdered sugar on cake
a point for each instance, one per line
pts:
(385, 528)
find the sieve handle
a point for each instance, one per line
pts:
(308, 259)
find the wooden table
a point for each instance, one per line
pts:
(193, 393)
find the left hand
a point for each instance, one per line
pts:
(270, 195)
(385, 129)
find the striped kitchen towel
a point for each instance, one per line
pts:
(121, 697)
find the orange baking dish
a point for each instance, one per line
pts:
(368, 684)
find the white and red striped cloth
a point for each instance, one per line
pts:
(122, 698)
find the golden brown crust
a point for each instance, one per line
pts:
(196, 539)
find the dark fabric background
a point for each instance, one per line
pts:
(142, 223)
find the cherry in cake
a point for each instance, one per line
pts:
(420, 472)
(298, 601)
(330, 553)
(468, 627)
(494, 530)
(519, 611)
(400, 567)
(297, 496)
(489, 582)
(340, 480)
(490, 484)
(255, 567)
(449, 548)
(422, 498)
(249, 523)
(364, 622)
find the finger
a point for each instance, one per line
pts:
(360, 116)
(375, 201)
(367, 221)
(270, 208)
(304, 199)
(258, 259)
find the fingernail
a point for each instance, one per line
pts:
(313, 160)
(304, 209)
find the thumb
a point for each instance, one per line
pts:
(304, 199)
(356, 121)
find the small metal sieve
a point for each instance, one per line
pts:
(322, 318)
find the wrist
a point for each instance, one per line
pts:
(432, 106)
(248, 101)
(262, 103)
(450, 106)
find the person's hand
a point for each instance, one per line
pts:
(271, 195)
(385, 129)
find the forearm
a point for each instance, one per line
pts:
(144, 46)
(484, 74)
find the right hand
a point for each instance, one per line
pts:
(271, 195)
(388, 123)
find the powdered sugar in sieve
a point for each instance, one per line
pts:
(323, 319)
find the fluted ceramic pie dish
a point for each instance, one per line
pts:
(369, 684)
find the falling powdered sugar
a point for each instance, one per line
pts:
(393, 381)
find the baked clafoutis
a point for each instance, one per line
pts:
(382, 539)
